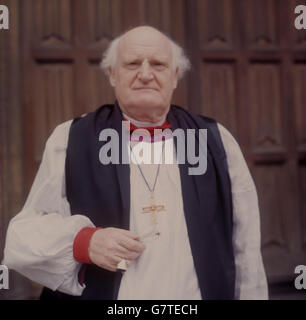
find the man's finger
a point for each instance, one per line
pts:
(127, 254)
(131, 244)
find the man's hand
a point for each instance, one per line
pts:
(110, 245)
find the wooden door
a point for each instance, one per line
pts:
(252, 78)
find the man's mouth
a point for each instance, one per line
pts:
(145, 88)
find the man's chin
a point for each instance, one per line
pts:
(148, 103)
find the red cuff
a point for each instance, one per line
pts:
(81, 244)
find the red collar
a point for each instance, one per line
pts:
(165, 125)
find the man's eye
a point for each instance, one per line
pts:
(158, 65)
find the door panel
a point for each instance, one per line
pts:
(252, 75)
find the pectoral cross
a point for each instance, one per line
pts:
(153, 209)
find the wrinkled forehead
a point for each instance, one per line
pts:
(145, 43)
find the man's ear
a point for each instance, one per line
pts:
(175, 80)
(111, 74)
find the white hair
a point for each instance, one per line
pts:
(179, 59)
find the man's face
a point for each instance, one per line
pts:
(144, 78)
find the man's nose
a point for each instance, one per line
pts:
(145, 72)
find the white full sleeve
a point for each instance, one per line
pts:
(251, 280)
(39, 240)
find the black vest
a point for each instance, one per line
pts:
(102, 193)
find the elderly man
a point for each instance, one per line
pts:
(178, 236)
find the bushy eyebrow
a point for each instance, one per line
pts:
(131, 58)
(159, 60)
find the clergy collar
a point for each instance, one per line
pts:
(142, 124)
(148, 127)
